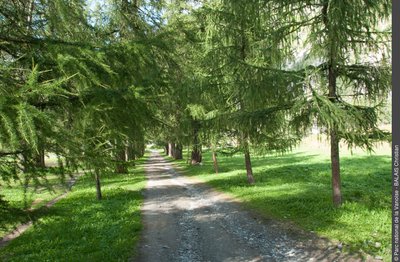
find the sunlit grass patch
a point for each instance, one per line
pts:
(81, 228)
(297, 187)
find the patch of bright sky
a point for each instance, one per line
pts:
(95, 6)
(148, 10)
(92, 4)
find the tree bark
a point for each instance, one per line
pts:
(334, 138)
(249, 170)
(166, 149)
(178, 151)
(336, 184)
(142, 149)
(196, 156)
(130, 152)
(188, 155)
(196, 148)
(98, 186)
(215, 161)
(120, 158)
(171, 149)
(39, 159)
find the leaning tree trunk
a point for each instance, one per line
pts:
(178, 151)
(98, 186)
(249, 170)
(215, 161)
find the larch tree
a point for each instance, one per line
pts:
(88, 76)
(245, 68)
(346, 62)
(30, 51)
(121, 102)
(185, 92)
(34, 93)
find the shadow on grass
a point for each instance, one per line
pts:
(297, 187)
(81, 228)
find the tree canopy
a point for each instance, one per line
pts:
(94, 83)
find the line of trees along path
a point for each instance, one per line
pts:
(94, 84)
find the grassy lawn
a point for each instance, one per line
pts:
(297, 187)
(36, 196)
(81, 228)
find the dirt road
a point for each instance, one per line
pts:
(185, 220)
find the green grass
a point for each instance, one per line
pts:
(297, 187)
(36, 196)
(81, 228)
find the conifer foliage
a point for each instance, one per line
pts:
(348, 72)
(94, 84)
(76, 82)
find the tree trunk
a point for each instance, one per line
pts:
(196, 156)
(337, 195)
(178, 151)
(196, 148)
(121, 162)
(249, 170)
(336, 192)
(142, 149)
(166, 149)
(27, 179)
(130, 152)
(171, 149)
(332, 76)
(188, 155)
(98, 186)
(215, 162)
(39, 159)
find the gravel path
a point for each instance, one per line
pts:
(185, 220)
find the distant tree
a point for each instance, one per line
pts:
(179, 107)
